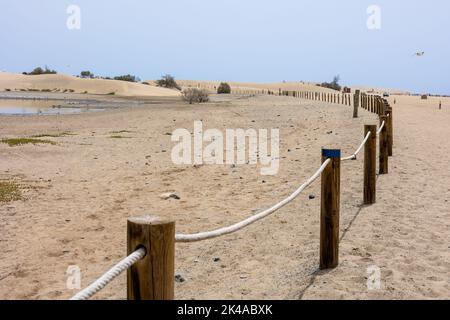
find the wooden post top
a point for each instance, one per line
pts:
(149, 220)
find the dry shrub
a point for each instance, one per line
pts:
(193, 95)
(168, 81)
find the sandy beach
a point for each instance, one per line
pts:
(107, 166)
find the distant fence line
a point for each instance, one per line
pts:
(150, 263)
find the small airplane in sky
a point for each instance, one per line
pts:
(419, 54)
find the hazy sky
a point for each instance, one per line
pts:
(241, 40)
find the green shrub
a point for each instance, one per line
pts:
(39, 70)
(86, 74)
(168, 81)
(224, 88)
(332, 85)
(127, 77)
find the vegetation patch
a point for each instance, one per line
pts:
(53, 135)
(39, 70)
(167, 81)
(334, 85)
(193, 95)
(224, 88)
(121, 131)
(9, 191)
(87, 74)
(127, 77)
(14, 142)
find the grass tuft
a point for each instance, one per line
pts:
(9, 191)
(53, 135)
(121, 131)
(14, 142)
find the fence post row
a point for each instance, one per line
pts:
(152, 277)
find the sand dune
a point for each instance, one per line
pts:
(212, 85)
(60, 83)
(66, 83)
(290, 86)
(377, 90)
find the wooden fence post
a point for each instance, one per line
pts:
(151, 278)
(356, 104)
(390, 131)
(329, 210)
(383, 144)
(377, 104)
(370, 164)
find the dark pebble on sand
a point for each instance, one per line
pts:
(179, 278)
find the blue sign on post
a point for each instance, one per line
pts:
(330, 153)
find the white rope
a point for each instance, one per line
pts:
(381, 128)
(110, 275)
(353, 156)
(240, 225)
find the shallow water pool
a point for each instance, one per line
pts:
(13, 107)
